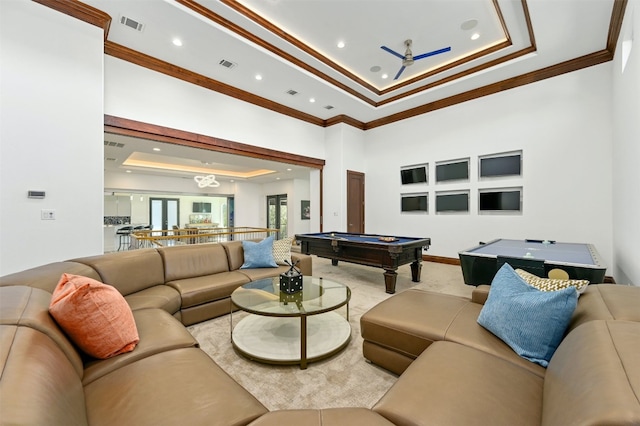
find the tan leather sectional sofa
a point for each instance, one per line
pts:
(168, 380)
(455, 372)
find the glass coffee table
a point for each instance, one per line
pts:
(291, 328)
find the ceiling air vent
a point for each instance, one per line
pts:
(128, 22)
(114, 144)
(328, 107)
(291, 92)
(227, 64)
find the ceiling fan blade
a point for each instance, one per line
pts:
(435, 52)
(399, 72)
(392, 52)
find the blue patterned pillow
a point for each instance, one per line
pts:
(530, 321)
(258, 255)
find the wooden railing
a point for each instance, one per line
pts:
(174, 237)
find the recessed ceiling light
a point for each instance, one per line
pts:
(375, 68)
(277, 178)
(341, 44)
(157, 149)
(312, 100)
(231, 180)
(177, 42)
(128, 171)
(258, 77)
(288, 170)
(384, 76)
(475, 36)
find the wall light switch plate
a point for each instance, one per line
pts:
(48, 214)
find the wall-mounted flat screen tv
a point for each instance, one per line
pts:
(199, 207)
(458, 202)
(500, 200)
(504, 165)
(414, 175)
(414, 203)
(458, 170)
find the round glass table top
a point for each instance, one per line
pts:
(318, 295)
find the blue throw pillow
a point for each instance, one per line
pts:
(530, 321)
(258, 255)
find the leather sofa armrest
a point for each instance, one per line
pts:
(305, 265)
(480, 294)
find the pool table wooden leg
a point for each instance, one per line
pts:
(390, 276)
(334, 262)
(416, 269)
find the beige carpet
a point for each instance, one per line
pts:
(344, 380)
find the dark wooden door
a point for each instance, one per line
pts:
(355, 202)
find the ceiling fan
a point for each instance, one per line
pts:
(408, 58)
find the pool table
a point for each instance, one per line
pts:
(580, 261)
(381, 251)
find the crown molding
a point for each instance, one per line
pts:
(96, 17)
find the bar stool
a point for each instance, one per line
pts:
(124, 235)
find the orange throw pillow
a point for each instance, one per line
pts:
(94, 315)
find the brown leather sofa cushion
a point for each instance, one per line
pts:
(452, 384)
(193, 261)
(409, 322)
(178, 387)
(46, 277)
(159, 332)
(29, 307)
(235, 254)
(160, 296)
(594, 376)
(607, 301)
(128, 271)
(198, 290)
(325, 417)
(38, 384)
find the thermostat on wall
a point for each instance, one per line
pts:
(36, 194)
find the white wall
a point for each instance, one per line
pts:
(51, 138)
(626, 151)
(250, 205)
(140, 94)
(345, 150)
(563, 127)
(301, 191)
